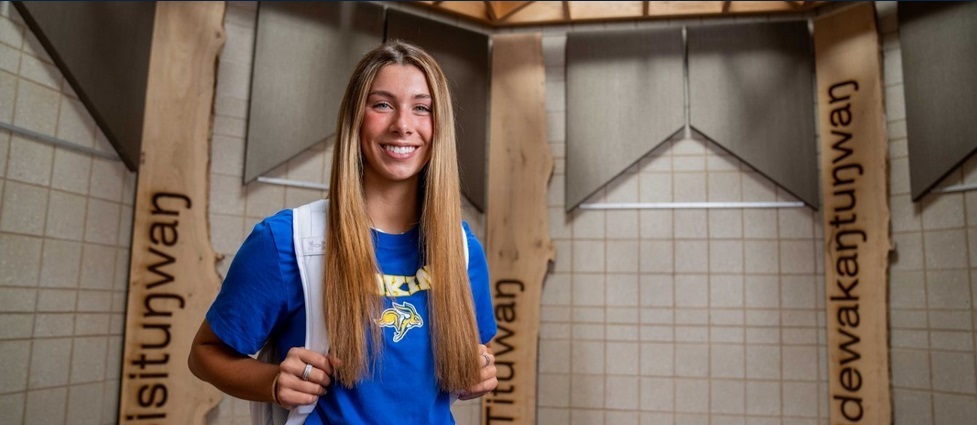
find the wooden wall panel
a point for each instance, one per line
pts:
(173, 275)
(518, 245)
(855, 216)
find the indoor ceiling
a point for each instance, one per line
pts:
(513, 13)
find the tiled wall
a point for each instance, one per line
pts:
(678, 316)
(65, 221)
(648, 317)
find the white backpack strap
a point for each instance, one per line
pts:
(464, 242)
(309, 234)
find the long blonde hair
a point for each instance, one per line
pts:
(352, 300)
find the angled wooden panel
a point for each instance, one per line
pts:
(624, 97)
(751, 91)
(464, 58)
(939, 62)
(102, 49)
(304, 55)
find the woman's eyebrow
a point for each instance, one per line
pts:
(387, 94)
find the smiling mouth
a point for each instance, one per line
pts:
(399, 150)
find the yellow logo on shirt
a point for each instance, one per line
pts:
(402, 318)
(403, 286)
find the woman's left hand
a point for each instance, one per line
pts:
(489, 378)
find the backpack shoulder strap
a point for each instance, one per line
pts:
(309, 235)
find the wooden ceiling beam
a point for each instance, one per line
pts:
(511, 13)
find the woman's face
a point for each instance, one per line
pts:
(395, 136)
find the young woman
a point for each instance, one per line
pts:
(408, 327)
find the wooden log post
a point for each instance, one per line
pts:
(518, 245)
(856, 215)
(172, 278)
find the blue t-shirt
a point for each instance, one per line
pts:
(262, 298)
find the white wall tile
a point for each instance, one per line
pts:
(657, 394)
(588, 256)
(587, 357)
(107, 179)
(953, 409)
(587, 391)
(57, 300)
(263, 200)
(725, 256)
(947, 289)
(97, 266)
(689, 187)
(88, 359)
(48, 403)
(691, 290)
(910, 369)
(953, 372)
(763, 362)
(691, 396)
(691, 256)
(40, 72)
(623, 358)
(554, 390)
(102, 222)
(14, 367)
(20, 259)
(800, 363)
(588, 224)
(29, 161)
(61, 262)
(725, 223)
(65, 216)
(727, 397)
(690, 224)
(36, 107)
(15, 326)
(621, 392)
(622, 290)
(85, 403)
(725, 291)
(622, 256)
(75, 124)
(50, 360)
(727, 361)
(913, 407)
(71, 171)
(21, 203)
(800, 399)
(759, 223)
(762, 398)
(945, 249)
(8, 94)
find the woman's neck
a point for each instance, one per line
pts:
(392, 208)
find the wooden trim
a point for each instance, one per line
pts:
(172, 278)
(511, 13)
(518, 245)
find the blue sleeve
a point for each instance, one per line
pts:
(253, 298)
(478, 274)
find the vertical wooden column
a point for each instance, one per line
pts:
(855, 213)
(518, 245)
(172, 277)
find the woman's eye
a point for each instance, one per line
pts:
(382, 105)
(423, 108)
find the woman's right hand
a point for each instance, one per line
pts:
(291, 390)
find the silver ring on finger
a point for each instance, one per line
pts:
(488, 360)
(305, 373)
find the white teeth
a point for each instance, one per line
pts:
(400, 150)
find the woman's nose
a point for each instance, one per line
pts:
(401, 124)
